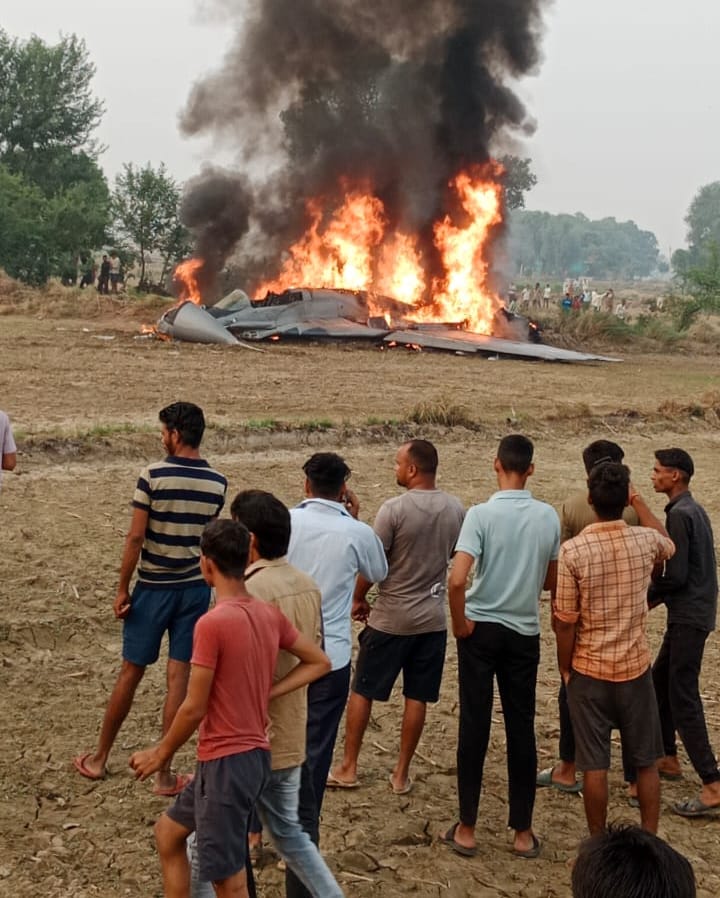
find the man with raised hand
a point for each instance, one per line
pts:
(333, 547)
(406, 626)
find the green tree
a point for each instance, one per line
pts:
(145, 206)
(47, 117)
(46, 99)
(519, 179)
(25, 251)
(703, 219)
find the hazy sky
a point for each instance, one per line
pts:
(625, 101)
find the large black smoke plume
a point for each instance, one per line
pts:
(396, 96)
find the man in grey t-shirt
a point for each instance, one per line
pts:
(406, 626)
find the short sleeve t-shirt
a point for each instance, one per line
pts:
(239, 640)
(513, 538)
(418, 530)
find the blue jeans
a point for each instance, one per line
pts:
(278, 810)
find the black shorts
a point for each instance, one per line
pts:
(216, 805)
(599, 706)
(383, 655)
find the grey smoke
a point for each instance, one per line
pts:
(394, 95)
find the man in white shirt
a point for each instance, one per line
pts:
(333, 547)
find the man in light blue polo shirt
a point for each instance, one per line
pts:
(329, 544)
(511, 543)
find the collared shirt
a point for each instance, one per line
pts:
(298, 597)
(576, 513)
(333, 548)
(603, 576)
(688, 585)
(513, 538)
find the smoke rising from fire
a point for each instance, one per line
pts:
(324, 96)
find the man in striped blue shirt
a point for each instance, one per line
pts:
(173, 501)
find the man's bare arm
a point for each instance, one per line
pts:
(184, 724)
(565, 637)
(462, 563)
(645, 517)
(131, 554)
(360, 605)
(314, 663)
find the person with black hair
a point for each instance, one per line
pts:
(234, 656)
(688, 587)
(575, 514)
(406, 625)
(629, 862)
(510, 543)
(173, 501)
(600, 615)
(333, 547)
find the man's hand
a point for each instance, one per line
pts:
(121, 605)
(565, 674)
(360, 610)
(351, 502)
(463, 629)
(146, 762)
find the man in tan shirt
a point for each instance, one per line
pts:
(271, 578)
(576, 513)
(600, 614)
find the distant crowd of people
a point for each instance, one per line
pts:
(276, 646)
(576, 295)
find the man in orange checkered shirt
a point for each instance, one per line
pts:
(600, 614)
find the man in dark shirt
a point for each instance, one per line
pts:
(688, 586)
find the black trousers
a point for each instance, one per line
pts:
(676, 674)
(326, 702)
(492, 652)
(566, 744)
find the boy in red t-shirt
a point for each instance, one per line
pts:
(235, 648)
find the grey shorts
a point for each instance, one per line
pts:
(599, 706)
(216, 805)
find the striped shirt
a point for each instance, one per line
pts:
(603, 577)
(180, 496)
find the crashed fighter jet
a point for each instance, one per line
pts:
(353, 315)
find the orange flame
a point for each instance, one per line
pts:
(352, 249)
(185, 275)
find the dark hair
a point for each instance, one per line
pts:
(608, 484)
(601, 451)
(423, 455)
(188, 419)
(628, 862)
(676, 458)
(515, 453)
(327, 473)
(265, 516)
(226, 543)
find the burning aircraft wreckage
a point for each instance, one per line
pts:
(376, 204)
(347, 315)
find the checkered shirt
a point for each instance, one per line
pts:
(603, 576)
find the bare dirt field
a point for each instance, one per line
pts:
(83, 392)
